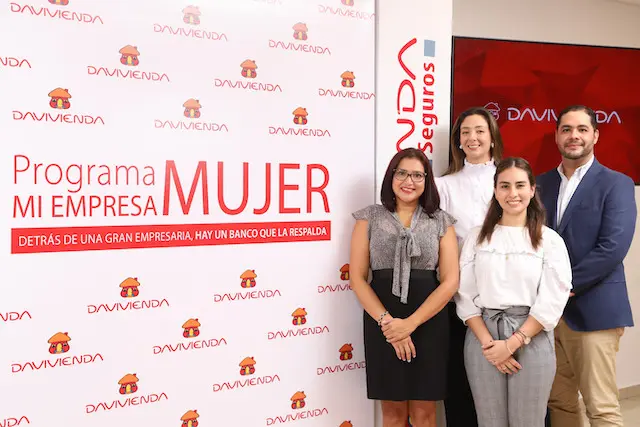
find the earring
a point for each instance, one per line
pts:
(492, 145)
(460, 146)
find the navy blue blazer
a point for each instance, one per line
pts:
(597, 227)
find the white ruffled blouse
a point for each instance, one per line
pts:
(466, 195)
(508, 271)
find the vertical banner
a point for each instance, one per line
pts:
(413, 86)
(413, 80)
(176, 183)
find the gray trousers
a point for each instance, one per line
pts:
(516, 400)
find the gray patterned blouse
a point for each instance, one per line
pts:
(392, 246)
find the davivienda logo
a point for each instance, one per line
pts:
(542, 114)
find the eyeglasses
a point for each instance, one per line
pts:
(401, 175)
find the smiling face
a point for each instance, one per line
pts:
(514, 192)
(576, 136)
(475, 139)
(408, 181)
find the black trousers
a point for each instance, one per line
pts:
(459, 407)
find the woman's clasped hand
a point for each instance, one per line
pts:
(498, 354)
(398, 334)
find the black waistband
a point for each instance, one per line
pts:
(415, 274)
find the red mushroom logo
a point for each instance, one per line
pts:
(190, 418)
(191, 15)
(60, 98)
(248, 279)
(300, 116)
(346, 352)
(192, 108)
(128, 384)
(247, 366)
(348, 79)
(297, 400)
(249, 69)
(129, 287)
(299, 317)
(300, 31)
(191, 328)
(59, 2)
(344, 272)
(59, 343)
(129, 56)
(346, 424)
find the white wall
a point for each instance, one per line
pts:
(595, 22)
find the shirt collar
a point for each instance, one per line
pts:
(580, 172)
(478, 165)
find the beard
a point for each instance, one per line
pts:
(584, 151)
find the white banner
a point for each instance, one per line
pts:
(413, 86)
(177, 182)
(413, 80)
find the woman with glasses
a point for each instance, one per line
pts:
(403, 242)
(465, 190)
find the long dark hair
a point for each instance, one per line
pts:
(429, 199)
(536, 214)
(457, 154)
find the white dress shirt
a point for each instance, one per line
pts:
(568, 187)
(509, 272)
(466, 195)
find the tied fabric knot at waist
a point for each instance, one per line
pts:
(407, 247)
(512, 318)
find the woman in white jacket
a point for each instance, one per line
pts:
(465, 190)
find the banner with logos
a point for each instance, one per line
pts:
(413, 80)
(177, 185)
(413, 87)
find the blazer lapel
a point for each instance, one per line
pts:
(550, 200)
(587, 182)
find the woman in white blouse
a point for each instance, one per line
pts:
(515, 279)
(465, 191)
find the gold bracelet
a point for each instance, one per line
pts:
(507, 344)
(517, 335)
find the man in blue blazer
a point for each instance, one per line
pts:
(593, 208)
